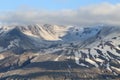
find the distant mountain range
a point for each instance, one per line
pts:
(54, 52)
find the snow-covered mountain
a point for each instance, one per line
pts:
(37, 36)
(73, 49)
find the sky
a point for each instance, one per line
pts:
(65, 12)
(50, 4)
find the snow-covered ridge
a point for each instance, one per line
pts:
(55, 32)
(46, 32)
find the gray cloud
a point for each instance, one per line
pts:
(88, 15)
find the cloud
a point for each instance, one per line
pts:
(104, 13)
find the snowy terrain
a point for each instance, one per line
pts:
(83, 47)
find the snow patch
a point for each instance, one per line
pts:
(118, 69)
(99, 60)
(57, 59)
(91, 62)
(108, 67)
(82, 64)
(1, 57)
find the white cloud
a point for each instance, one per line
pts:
(88, 15)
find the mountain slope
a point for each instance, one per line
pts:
(16, 41)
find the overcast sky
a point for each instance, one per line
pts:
(64, 12)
